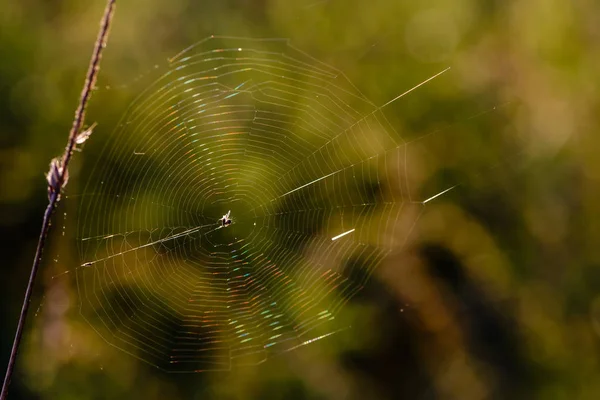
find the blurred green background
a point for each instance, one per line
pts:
(497, 293)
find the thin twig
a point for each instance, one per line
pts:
(57, 178)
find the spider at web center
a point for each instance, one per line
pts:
(226, 219)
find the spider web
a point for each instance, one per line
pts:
(313, 174)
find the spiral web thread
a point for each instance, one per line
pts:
(314, 177)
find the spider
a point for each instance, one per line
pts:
(226, 221)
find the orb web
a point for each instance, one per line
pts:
(313, 178)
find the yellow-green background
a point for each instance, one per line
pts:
(497, 294)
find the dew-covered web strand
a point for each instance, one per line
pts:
(187, 232)
(314, 177)
(345, 131)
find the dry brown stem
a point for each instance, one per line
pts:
(57, 178)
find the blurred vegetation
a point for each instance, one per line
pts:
(497, 293)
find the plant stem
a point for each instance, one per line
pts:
(56, 187)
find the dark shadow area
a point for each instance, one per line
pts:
(492, 333)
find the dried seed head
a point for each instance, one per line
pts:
(55, 175)
(83, 136)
